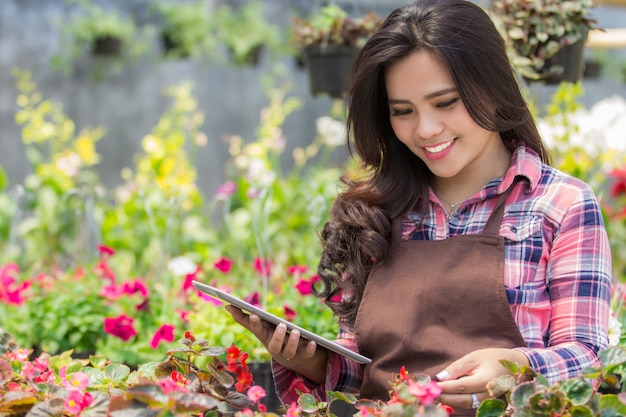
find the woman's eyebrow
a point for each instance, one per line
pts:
(427, 96)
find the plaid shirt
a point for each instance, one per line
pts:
(557, 272)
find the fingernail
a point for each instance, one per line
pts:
(281, 327)
(442, 375)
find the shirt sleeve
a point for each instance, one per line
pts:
(579, 285)
(342, 374)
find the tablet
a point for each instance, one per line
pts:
(273, 319)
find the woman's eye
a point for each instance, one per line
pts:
(400, 112)
(447, 103)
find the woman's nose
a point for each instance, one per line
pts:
(429, 126)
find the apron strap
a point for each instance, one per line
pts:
(495, 219)
(492, 227)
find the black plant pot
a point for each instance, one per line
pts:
(329, 69)
(262, 374)
(571, 59)
(107, 46)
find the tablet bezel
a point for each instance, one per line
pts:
(275, 320)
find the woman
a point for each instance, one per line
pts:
(461, 247)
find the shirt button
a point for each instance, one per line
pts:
(513, 229)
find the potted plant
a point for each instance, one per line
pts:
(188, 29)
(546, 39)
(94, 29)
(245, 32)
(328, 42)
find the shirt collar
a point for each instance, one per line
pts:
(525, 163)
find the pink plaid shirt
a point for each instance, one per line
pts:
(557, 272)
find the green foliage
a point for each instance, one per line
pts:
(536, 30)
(61, 386)
(245, 31)
(158, 209)
(188, 29)
(59, 201)
(91, 26)
(332, 26)
(530, 394)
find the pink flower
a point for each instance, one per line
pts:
(226, 190)
(105, 250)
(121, 326)
(76, 381)
(76, 402)
(135, 286)
(255, 393)
(297, 270)
(425, 393)
(263, 266)
(289, 312)
(183, 314)
(304, 286)
(293, 410)
(165, 332)
(10, 291)
(254, 299)
(174, 382)
(224, 264)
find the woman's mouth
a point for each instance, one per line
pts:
(438, 151)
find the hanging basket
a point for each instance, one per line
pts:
(571, 59)
(107, 45)
(329, 69)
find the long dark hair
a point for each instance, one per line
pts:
(464, 38)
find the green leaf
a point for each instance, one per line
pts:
(307, 403)
(580, 411)
(117, 371)
(491, 407)
(520, 396)
(615, 355)
(613, 401)
(17, 402)
(577, 390)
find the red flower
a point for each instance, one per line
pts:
(244, 380)
(263, 266)
(165, 332)
(105, 250)
(223, 264)
(190, 336)
(619, 184)
(121, 326)
(254, 299)
(135, 286)
(290, 313)
(404, 374)
(297, 270)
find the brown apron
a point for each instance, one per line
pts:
(432, 302)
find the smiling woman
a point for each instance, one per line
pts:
(435, 115)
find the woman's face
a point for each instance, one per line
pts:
(428, 116)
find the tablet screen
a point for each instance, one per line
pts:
(273, 319)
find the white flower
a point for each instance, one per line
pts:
(181, 266)
(332, 132)
(69, 163)
(615, 330)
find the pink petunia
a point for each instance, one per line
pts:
(134, 287)
(105, 250)
(121, 326)
(290, 313)
(223, 264)
(297, 270)
(163, 333)
(254, 299)
(263, 266)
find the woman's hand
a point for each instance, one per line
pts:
(471, 374)
(290, 350)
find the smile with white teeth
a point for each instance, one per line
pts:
(438, 148)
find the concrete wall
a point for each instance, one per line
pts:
(128, 101)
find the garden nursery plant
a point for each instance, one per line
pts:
(95, 283)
